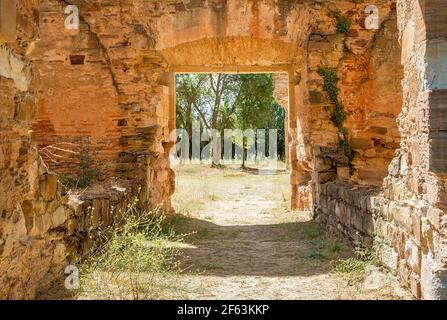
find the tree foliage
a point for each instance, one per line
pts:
(229, 101)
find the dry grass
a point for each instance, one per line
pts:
(243, 242)
(246, 244)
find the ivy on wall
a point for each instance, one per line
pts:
(342, 23)
(337, 112)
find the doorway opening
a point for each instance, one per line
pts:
(228, 125)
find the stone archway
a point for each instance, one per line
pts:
(217, 55)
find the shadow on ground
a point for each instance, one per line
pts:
(272, 250)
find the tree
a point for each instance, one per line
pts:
(189, 90)
(224, 101)
(253, 105)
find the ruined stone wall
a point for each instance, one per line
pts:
(41, 226)
(77, 97)
(27, 251)
(101, 84)
(407, 216)
(131, 46)
(368, 65)
(414, 207)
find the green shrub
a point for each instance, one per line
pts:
(343, 23)
(363, 257)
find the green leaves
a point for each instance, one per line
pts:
(343, 23)
(229, 101)
(337, 112)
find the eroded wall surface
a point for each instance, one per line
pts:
(28, 252)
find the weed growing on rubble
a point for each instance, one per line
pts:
(134, 260)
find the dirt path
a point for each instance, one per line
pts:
(246, 244)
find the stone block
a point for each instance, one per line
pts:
(324, 177)
(400, 214)
(332, 190)
(323, 188)
(412, 255)
(394, 167)
(416, 225)
(368, 225)
(404, 272)
(96, 213)
(408, 41)
(48, 186)
(162, 176)
(415, 286)
(343, 212)
(320, 165)
(360, 143)
(389, 257)
(41, 224)
(433, 281)
(427, 234)
(59, 217)
(316, 97)
(8, 21)
(356, 219)
(343, 174)
(434, 217)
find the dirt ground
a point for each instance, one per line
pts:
(244, 243)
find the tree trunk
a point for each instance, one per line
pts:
(243, 152)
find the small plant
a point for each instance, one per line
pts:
(87, 169)
(134, 261)
(335, 247)
(315, 256)
(342, 23)
(363, 257)
(349, 265)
